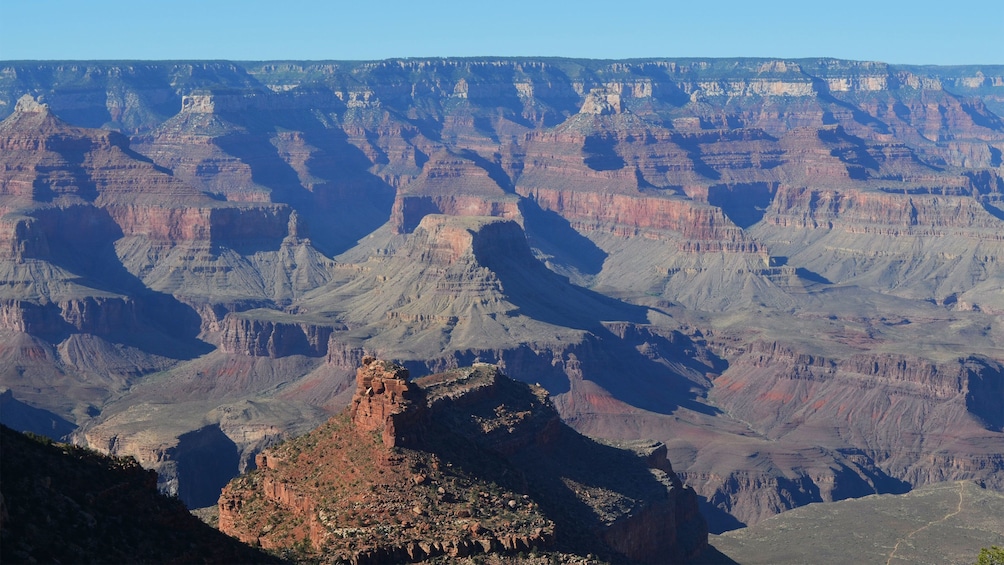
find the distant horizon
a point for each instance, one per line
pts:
(500, 57)
(918, 34)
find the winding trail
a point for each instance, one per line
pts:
(962, 490)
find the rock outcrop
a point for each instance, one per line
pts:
(387, 403)
(488, 468)
(258, 336)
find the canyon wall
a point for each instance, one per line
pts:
(784, 270)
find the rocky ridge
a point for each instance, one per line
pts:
(459, 460)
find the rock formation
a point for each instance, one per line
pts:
(385, 402)
(488, 468)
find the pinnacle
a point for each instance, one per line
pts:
(27, 104)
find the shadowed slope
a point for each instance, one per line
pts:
(67, 504)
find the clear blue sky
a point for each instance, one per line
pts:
(916, 32)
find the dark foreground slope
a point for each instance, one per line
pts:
(65, 504)
(455, 465)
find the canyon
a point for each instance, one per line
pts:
(786, 272)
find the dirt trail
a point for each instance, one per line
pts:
(962, 490)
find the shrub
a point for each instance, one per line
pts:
(991, 556)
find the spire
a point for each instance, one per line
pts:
(28, 105)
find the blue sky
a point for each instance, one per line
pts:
(915, 32)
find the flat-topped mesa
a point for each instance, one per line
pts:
(450, 238)
(387, 402)
(410, 209)
(456, 186)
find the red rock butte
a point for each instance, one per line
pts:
(385, 402)
(493, 471)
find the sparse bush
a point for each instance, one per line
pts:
(993, 555)
(44, 440)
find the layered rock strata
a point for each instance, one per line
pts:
(623, 232)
